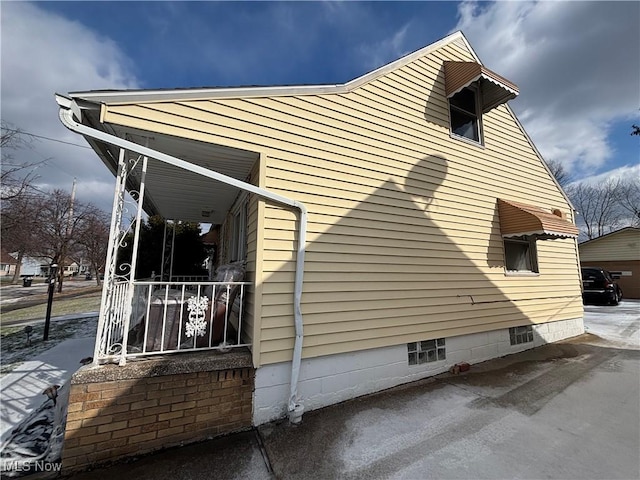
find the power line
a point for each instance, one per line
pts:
(47, 138)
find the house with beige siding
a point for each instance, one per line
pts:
(619, 253)
(8, 264)
(371, 233)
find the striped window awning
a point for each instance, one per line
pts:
(495, 89)
(518, 219)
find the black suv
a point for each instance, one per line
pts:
(598, 286)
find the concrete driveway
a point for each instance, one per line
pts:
(617, 325)
(569, 410)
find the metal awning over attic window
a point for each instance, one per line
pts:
(519, 219)
(495, 89)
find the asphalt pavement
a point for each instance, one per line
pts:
(569, 410)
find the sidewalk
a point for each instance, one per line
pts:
(21, 390)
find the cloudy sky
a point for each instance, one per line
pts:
(577, 64)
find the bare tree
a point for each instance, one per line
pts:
(598, 205)
(20, 225)
(60, 222)
(559, 172)
(93, 237)
(629, 199)
(16, 177)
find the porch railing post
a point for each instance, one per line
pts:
(134, 261)
(111, 260)
(173, 244)
(164, 247)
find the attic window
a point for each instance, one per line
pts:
(494, 89)
(464, 114)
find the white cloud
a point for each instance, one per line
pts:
(377, 54)
(43, 53)
(577, 65)
(620, 173)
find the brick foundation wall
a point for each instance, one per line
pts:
(116, 412)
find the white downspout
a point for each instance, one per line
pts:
(296, 409)
(66, 117)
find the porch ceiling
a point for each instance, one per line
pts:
(178, 194)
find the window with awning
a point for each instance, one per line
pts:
(521, 226)
(473, 90)
(520, 219)
(494, 89)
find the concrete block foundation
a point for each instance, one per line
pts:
(332, 379)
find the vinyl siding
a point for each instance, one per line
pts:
(403, 227)
(622, 245)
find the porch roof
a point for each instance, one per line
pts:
(173, 192)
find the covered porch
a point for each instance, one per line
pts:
(167, 311)
(184, 179)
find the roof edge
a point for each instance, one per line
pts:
(620, 230)
(543, 161)
(158, 95)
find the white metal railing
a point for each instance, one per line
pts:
(184, 278)
(169, 317)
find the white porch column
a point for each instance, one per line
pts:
(134, 262)
(105, 318)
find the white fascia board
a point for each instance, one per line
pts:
(148, 96)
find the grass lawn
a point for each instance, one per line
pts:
(14, 348)
(82, 304)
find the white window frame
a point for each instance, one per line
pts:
(478, 114)
(530, 242)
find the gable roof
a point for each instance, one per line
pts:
(114, 97)
(610, 234)
(96, 103)
(7, 259)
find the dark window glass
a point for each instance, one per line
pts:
(520, 254)
(464, 115)
(465, 100)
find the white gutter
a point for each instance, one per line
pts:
(67, 109)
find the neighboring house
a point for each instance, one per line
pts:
(33, 266)
(391, 227)
(74, 267)
(8, 264)
(618, 252)
(71, 267)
